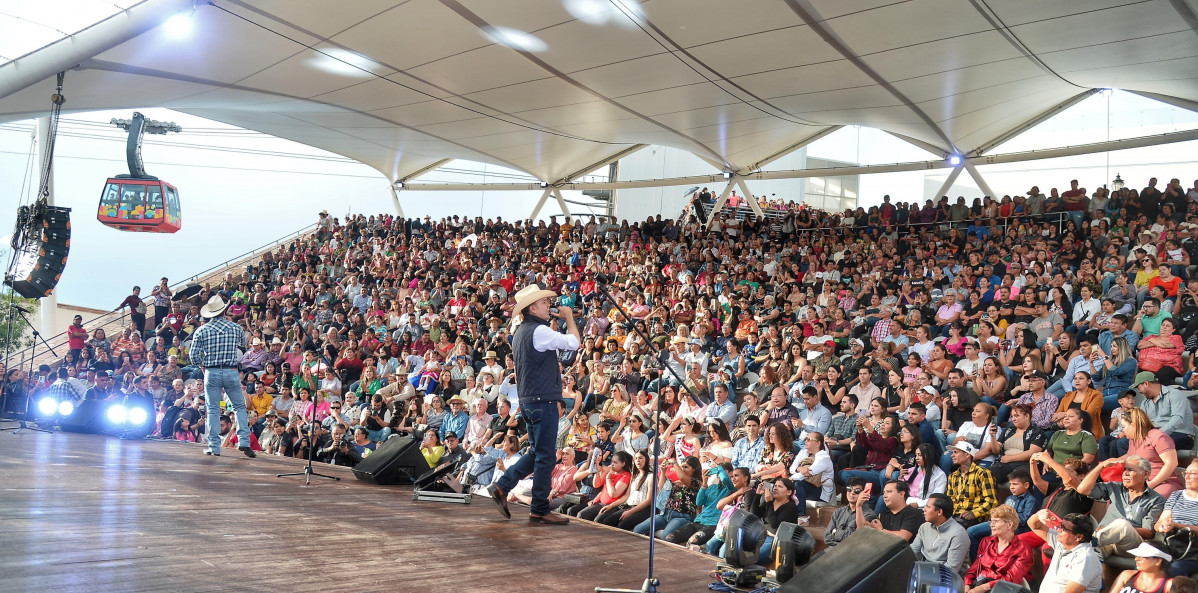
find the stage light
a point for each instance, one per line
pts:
(117, 414)
(793, 548)
(954, 159)
(934, 577)
(743, 537)
(137, 416)
(179, 25)
(65, 408)
(47, 406)
(399, 184)
(544, 184)
(727, 174)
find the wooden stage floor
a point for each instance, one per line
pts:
(94, 513)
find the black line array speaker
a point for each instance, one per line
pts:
(397, 460)
(39, 266)
(866, 561)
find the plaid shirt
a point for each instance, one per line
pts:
(217, 344)
(973, 491)
(843, 426)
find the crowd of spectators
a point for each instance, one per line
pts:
(907, 362)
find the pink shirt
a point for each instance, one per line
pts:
(1151, 448)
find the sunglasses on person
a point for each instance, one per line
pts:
(857, 490)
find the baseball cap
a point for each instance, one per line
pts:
(964, 447)
(1144, 377)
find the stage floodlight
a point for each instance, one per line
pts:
(954, 159)
(727, 174)
(65, 408)
(117, 414)
(47, 406)
(137, 416)
(934, 577)
(544, 184)
(793, 549)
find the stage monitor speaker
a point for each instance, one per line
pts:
(397, 460)
(87, 418)
(39, 266)
(866, 561)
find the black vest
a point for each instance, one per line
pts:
(538, 378)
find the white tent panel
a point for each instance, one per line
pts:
(728, 56)
(728, 82)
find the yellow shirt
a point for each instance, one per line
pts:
(432, 456)
(261, 403)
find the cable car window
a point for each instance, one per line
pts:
(133, 201)
(110, 200)
(154, 202)
(172, 204)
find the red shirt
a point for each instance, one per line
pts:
(253, 441)
(76, 337)
(613, 480)
(1013, 564)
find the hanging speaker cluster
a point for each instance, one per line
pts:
(42, 258)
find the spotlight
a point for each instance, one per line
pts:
(544, 184)
(793, 548)
(399, 184)
(727, 174)
(47, 406)
(743, 537)
(65, 408)
(954, 159)
(117, 414)
(933, 577)
(137, 416)
(179, 25)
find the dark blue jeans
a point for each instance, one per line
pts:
(541, 420)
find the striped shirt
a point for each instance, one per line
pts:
(218, 343)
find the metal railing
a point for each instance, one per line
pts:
(114, 319)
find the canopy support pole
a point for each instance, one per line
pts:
(719, 203)
(561, 201)
(395, 201)
(1015, 157)
(744, 188)
(948, 183)
(48, 308)
(985, 187)
(540, 203)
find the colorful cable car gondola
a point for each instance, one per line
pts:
(139, 202)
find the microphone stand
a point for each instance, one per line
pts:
(651, 582)
(308, 473)
(24, 423)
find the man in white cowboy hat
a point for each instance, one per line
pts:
(538, 374)
(491, 365)
(216, 348)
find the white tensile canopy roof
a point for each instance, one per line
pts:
(557, 88)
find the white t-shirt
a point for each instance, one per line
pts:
(1079, 565)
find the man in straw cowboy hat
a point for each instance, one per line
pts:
(535, 347)
(216, 348)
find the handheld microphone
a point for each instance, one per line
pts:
(553, 311)
(601, 278)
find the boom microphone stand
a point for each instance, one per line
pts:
(24, 422)
(651, 582)
(308, 473)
